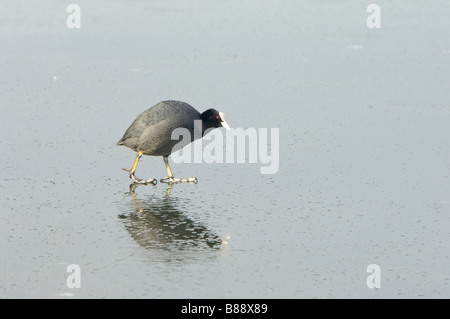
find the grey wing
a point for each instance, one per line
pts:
(154, 115)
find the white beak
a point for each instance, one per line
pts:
(224, 123)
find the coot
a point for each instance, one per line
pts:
(151, 132)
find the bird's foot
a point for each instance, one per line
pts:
(140, 181)
(143, 181)
(174, 180)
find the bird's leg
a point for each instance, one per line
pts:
(133, 169)
(170, 179)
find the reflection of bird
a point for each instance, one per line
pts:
(159, 224)
(151, 132)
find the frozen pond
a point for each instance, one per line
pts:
(364, 150)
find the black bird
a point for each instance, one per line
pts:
(151, 132)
